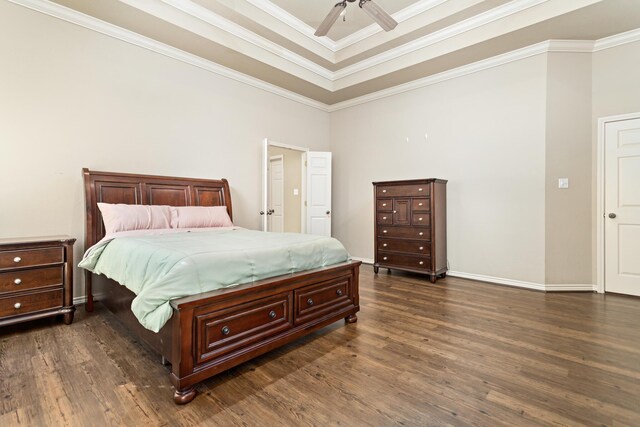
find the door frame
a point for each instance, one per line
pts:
(600, 178)
(281, 158)
(265, 176)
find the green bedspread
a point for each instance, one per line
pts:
(159, 268)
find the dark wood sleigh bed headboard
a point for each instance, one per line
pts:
(134, 189)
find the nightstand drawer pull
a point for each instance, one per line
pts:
(384, 191)
(421, 248)
(420, 219)
(339, 292)
(419, 189)
(17, 306)
(384, 245)
(421, 262)
(421, 234)
(17, 281)
(309, 302)
(384, 217)
(384, 204)
(384, 231)
(272, 314)
(384, 258)
(226, 330)
(420, 204)
(17, 259)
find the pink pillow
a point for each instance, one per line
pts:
(121, 217)
(200, 217)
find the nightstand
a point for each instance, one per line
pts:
(36, 278)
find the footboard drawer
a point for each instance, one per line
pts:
(223, 331)
(318, 300)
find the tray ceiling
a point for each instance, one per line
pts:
(273, 40)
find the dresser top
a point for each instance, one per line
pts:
(36, 239)
(411, 181)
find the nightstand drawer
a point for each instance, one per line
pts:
(30, 258)
(28, 303)
(20, 280)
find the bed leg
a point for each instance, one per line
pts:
(88, 291)
(184, 396)
(351, 319)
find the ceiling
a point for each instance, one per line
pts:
(273, 40)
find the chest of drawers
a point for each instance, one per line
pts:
(36, 279)
(411, 226)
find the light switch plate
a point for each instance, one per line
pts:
(563, 183)
(296, 191)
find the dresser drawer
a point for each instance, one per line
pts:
(385, 205)
(30, 258)
(411, 190)
(385, 218)
(20, 280)
(417, 247)
(404, 232)
(421, 219)
(227, 330)
(317, 300)
(420, 205)
(407, 261)
(28, 303)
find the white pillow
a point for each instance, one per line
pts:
(121, 217)
(199, 217)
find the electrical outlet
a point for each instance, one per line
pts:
(563, 183)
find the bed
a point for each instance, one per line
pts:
(198, 340)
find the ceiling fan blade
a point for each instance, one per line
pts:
(331, 18)
(378, 14)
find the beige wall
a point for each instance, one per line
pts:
(568, 214)
(73, 98)
(292, 180)
(486, 135)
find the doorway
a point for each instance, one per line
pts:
(619, 204)
(296, 189)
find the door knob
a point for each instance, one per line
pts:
(261, 212)
(612, 215)
(328, 212)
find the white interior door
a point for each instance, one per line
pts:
(318, 215)
(622, 207)
(275, 212)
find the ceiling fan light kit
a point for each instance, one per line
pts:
(372, 9)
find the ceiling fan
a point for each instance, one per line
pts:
(373, 10)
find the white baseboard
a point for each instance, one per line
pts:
(552, 287)
(79, 300)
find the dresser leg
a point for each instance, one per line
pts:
(375, 269)
(351, 319)
(182, 397)
(432, 278)
(68, 318)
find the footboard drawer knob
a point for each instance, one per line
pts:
(272, 314)
(226, 330)
(339, 292)
(309, 301)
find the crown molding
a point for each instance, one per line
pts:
(617, 40)
(293, 22)
(74, 17)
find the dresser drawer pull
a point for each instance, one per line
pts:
(17, 259)
(384, 217)
(395, 211)
(17, 306)
(384, 231)
(17, 281)
(384, 204)
(420, 219)
(339, 292)
(384, 258)
(309, 302)
(384, 191)
(421, 234)
(419, 189)
(226, 330)
(384, 245)
(421, 262)
(272, 314)
(421, 248)
(420, 204)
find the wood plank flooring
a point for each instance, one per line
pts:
(455, 353)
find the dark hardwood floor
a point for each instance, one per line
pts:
(457, 352)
